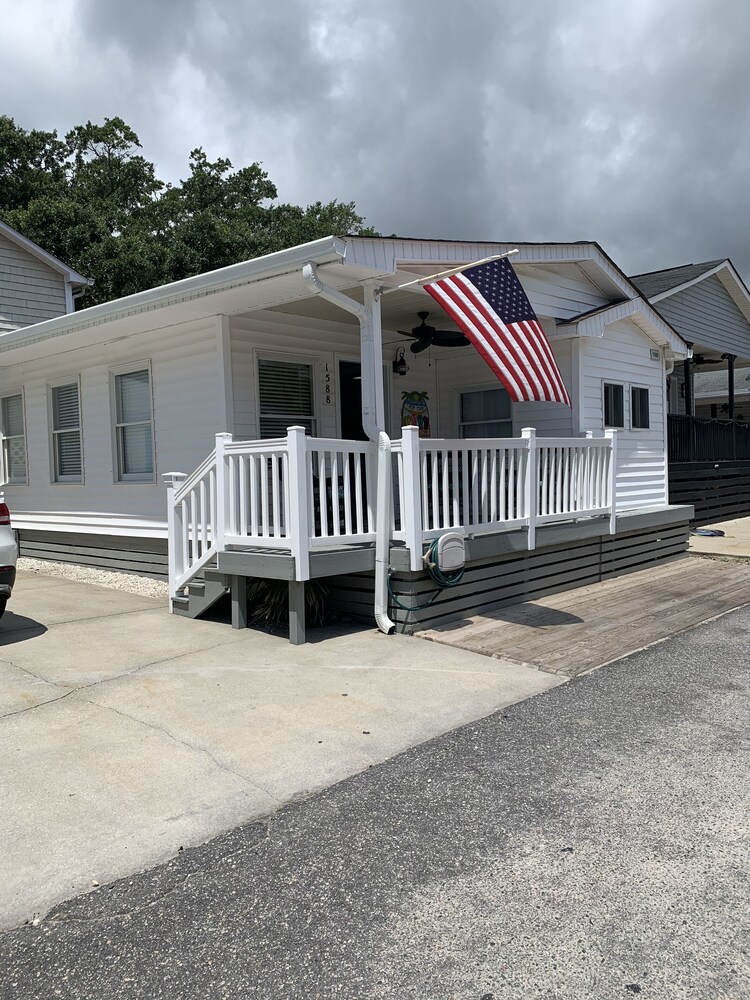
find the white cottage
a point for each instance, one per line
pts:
(120, 397)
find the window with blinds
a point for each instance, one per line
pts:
(485, 413)
(286, 394)
(134, 440)
(67, 453)
(14, 434)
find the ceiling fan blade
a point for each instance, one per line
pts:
(406, 333)
(449, 338)
(419, 345)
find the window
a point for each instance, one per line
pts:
(134, 440)
(15, 438)
(638, 407)
(614, 407)
(286, 394)
(67, 456)
(485, 413)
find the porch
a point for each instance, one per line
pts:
(298, 508)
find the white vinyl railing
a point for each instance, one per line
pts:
(293, 494)
(299, 493)
(484, 485)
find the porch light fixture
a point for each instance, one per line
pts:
(400, 366)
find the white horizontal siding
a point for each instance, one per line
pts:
(706, 315)
(623, 355)
(30, 290)
(188, 408)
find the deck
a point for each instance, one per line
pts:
(575, 631)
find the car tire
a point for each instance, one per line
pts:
(3, 602)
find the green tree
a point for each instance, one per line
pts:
(95, 201)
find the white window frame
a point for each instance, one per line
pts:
(55, 479)
(315, 364)
(647, 389)
(625, 403)
(7, 395)
(483, 387)
(120, 478)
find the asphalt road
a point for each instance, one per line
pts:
(592, 842)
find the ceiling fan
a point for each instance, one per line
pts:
(425, 336)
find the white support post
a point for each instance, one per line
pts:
(175, 528)
(532, 484)
(297, 502)
(412, 492)
(4, 463)
(612, 436)
(222, 514)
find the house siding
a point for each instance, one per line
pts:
(187, 405)
(30, 290)
(623, 355)
(706, 314)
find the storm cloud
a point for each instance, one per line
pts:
(626, 123)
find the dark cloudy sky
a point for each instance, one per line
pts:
(624, 121)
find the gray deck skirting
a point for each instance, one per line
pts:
(499, 569)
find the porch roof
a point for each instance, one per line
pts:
(250, 285)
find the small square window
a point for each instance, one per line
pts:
(614, 406)
(639, 408)
(485, 413)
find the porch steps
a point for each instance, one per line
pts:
(201, 595)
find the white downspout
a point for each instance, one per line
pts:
(373, 414)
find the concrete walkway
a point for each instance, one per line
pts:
(735, 542)
(126, 733)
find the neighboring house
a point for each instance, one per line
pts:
(34, 285)
(118, 395)
(709, 306)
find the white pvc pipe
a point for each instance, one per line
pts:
(373, 412)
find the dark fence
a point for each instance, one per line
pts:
(718, 491)
(695, 439)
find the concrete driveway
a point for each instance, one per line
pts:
(126, 733)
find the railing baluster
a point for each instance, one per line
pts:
(275, 496)
(347, 493)
(323, 493)
(360, 528)
(263, 483)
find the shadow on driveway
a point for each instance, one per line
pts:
(17, 628)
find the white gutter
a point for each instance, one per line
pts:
(373, 412)
(247, 272)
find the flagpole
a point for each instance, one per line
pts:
(448, 273)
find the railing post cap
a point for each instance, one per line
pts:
(173, 478)
(410, 429)
(224, 435)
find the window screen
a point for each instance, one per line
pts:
(639, 407)
(286, 394)
(133, 431)
(15, 438)
(614, 413)
(66, 433)
(485, 413)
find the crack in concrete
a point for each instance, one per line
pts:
(196, 748)
(103, 680)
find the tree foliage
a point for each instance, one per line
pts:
(93, 200)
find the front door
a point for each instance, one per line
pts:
(350, 401)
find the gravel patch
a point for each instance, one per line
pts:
(131, 583)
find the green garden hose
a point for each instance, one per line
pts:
(443, 580)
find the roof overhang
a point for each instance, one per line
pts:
(72, 276)
(594, 324)
(240, 288)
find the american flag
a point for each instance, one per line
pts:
(489, 304)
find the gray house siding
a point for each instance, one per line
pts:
(705, 314)
(30, 290)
